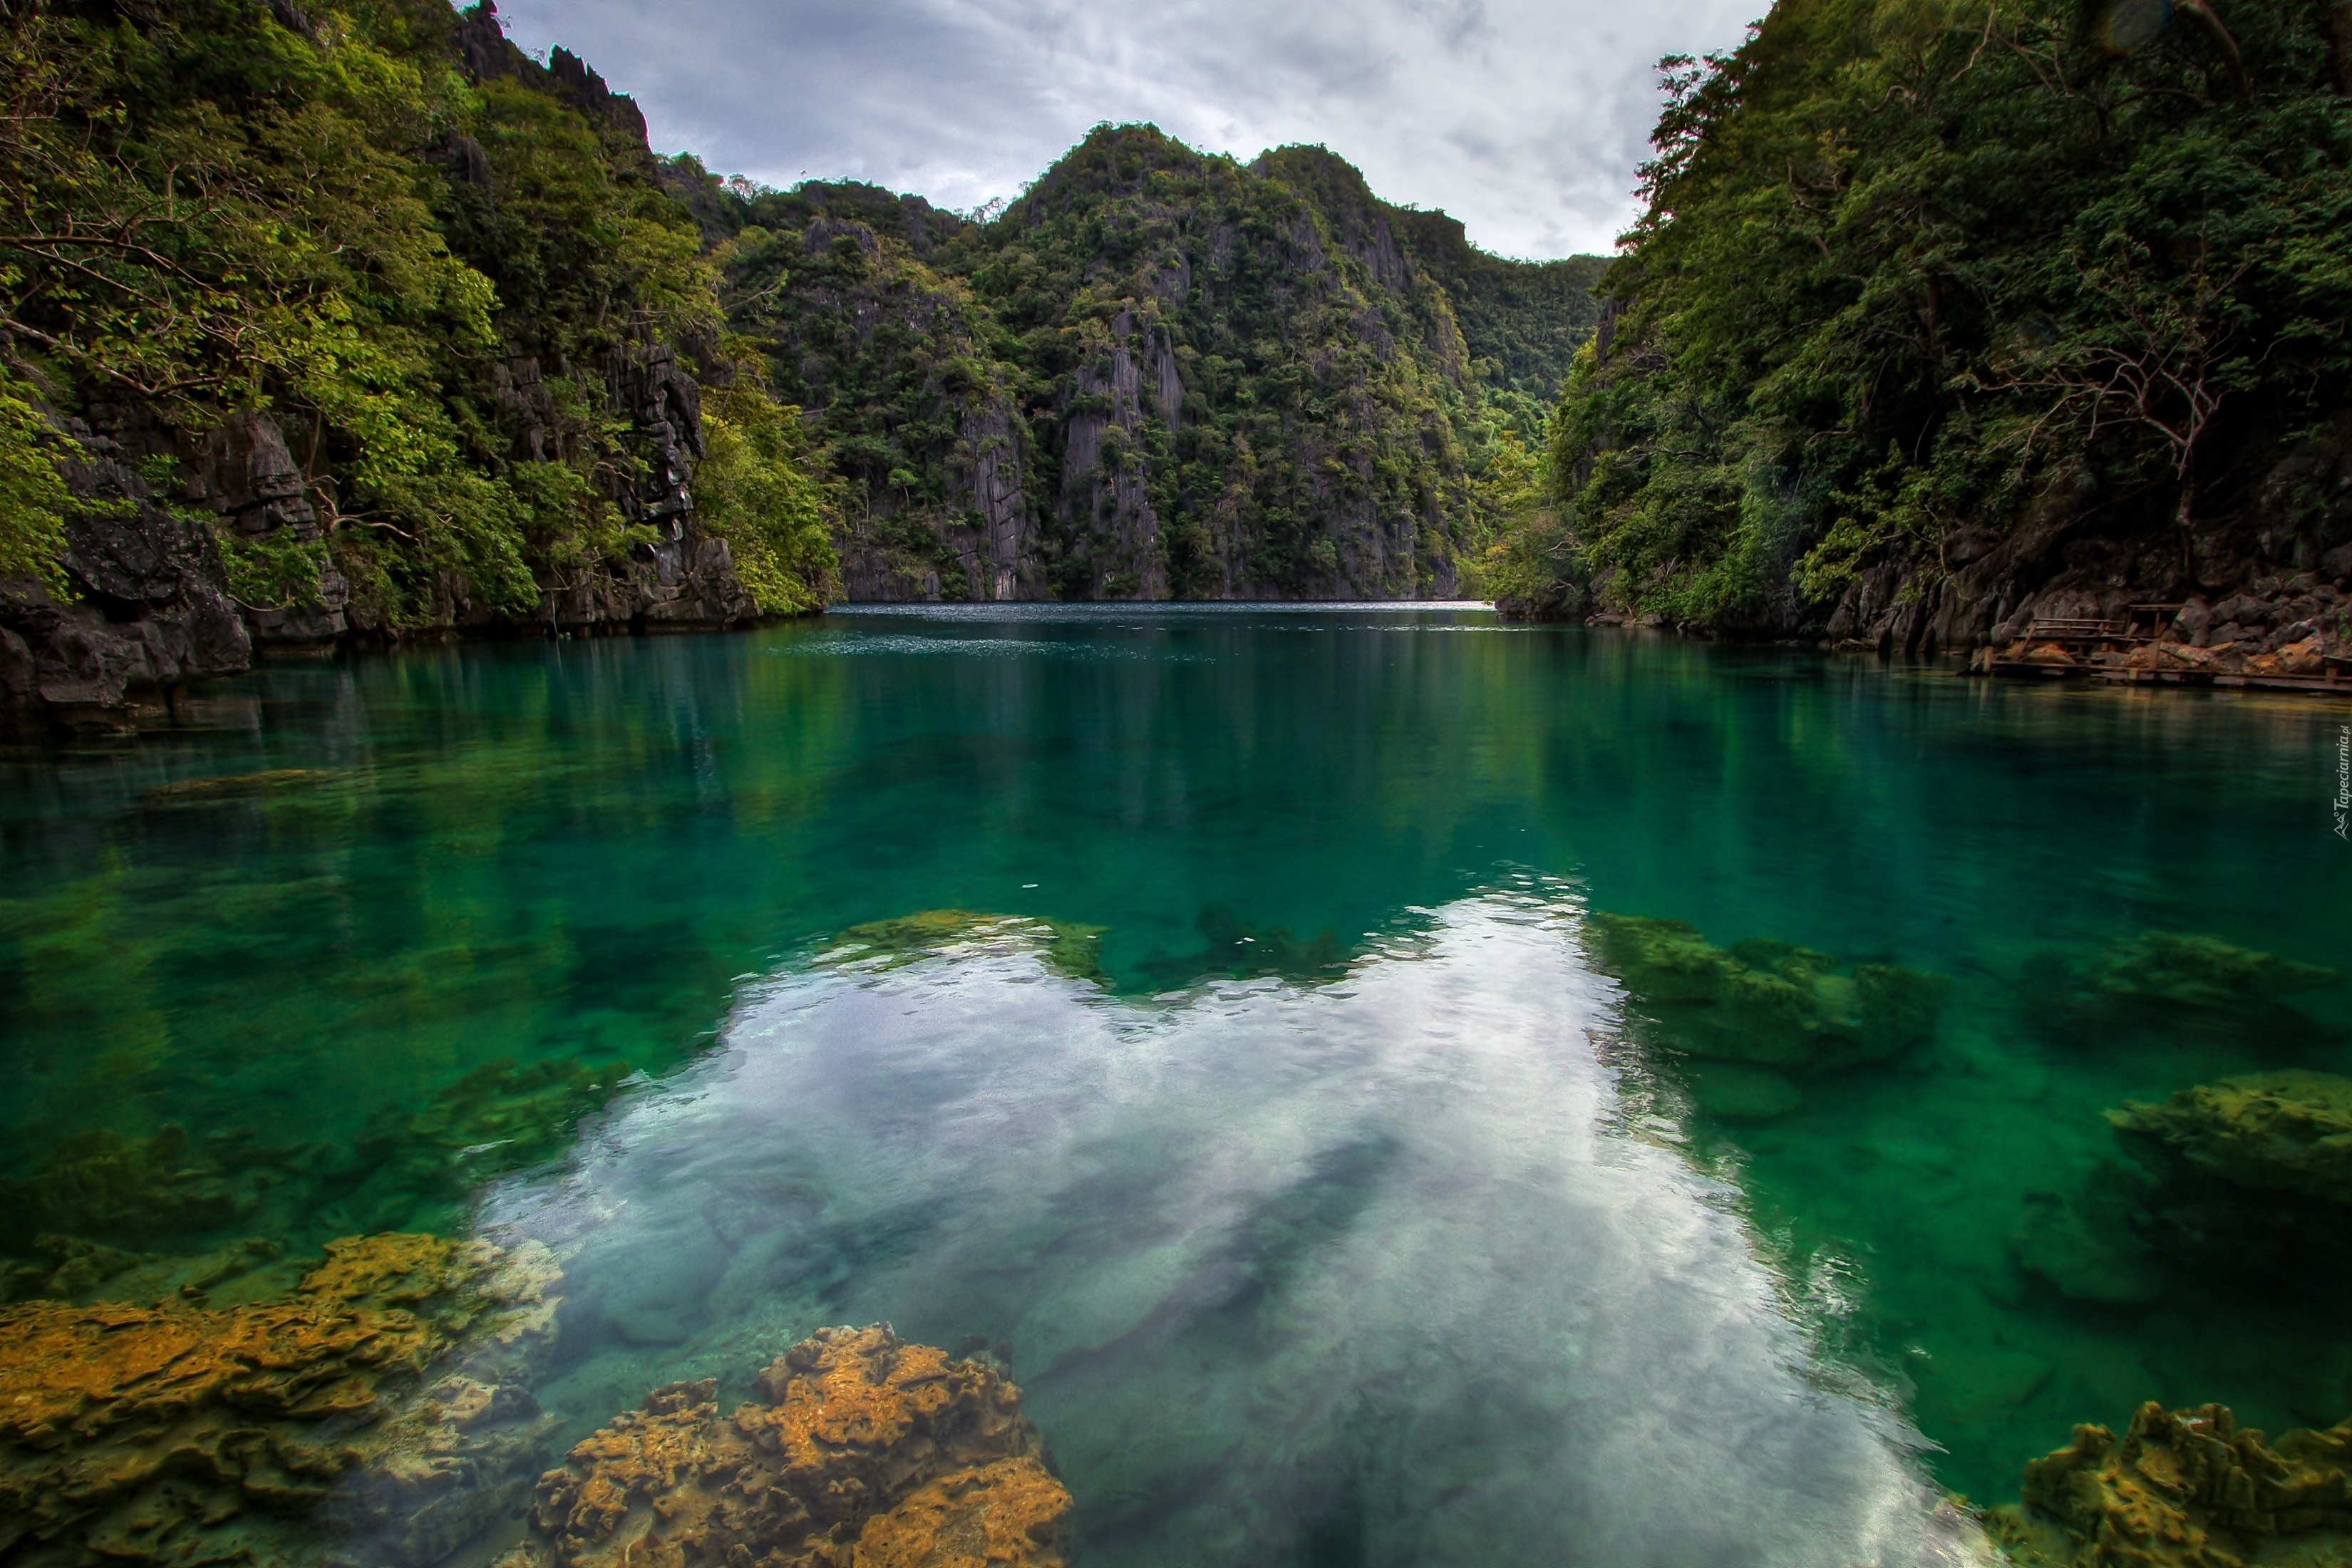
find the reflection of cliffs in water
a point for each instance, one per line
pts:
(1280, 1266)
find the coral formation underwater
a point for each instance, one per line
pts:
(859, 1450)
(2185, 1489)
(384, 1397)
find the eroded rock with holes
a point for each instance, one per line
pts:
(388, 1388)
(2187, 1489)
(859, 1451)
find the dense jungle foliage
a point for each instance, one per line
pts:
(321, 212)
(1915, 272)
(1309, 392)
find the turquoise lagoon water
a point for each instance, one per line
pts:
(1334, 1206)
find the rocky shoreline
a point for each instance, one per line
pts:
(2278, 631)
(151, 611)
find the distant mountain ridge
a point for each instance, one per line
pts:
(1158, 373)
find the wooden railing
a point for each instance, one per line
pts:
(2075, 629)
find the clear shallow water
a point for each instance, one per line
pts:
(1335, 1219)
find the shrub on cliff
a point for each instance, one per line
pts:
(753, 490)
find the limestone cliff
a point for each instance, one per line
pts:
(1160, 374)
(490, 423)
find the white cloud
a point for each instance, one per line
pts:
(1523, 118)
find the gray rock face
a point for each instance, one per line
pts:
(153, 612)
(247, 475)
(2267, 575)
(151, 609)
(1103, 488)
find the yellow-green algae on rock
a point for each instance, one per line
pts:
(2282, 1132)
(1765, 1004)
(2186, 1488)
(1073, 948)
(183, 1434)
(860, 1451)
(2247, 1175)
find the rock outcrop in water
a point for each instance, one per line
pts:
(2167, 978)
(1762, 1007)
(2252, 1175)
(2279, 1132)
(2247, 1177)
(2186, 1490)
(177, 1433)
(860, 1449)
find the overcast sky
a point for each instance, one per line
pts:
(1523, 118)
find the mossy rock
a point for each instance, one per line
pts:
(1765, 1004)
(2167, 981)
(2252, 1178)
(857, 1447)
(1072, 949)
(2283, 1132)
(2186, 1488)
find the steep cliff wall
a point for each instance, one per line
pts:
(1160, 374)
(416, 358)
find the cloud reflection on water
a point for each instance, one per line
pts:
(1358, 1273)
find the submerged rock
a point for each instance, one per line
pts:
(1767, 1004)
(104, 1185)
(2252, 1175)
(859, 1450)
(2089, 1247)
(2186, 1490)
(231, 787)
(2228, 1181)
(176, 1434)
(500, 1117)
(2279, 1132)
(1074, 950)
(2163, 978)
(1235, 949)
(1730, 1092)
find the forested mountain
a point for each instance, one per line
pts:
(1158, 373)
(1945, 316)
(351, 319)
